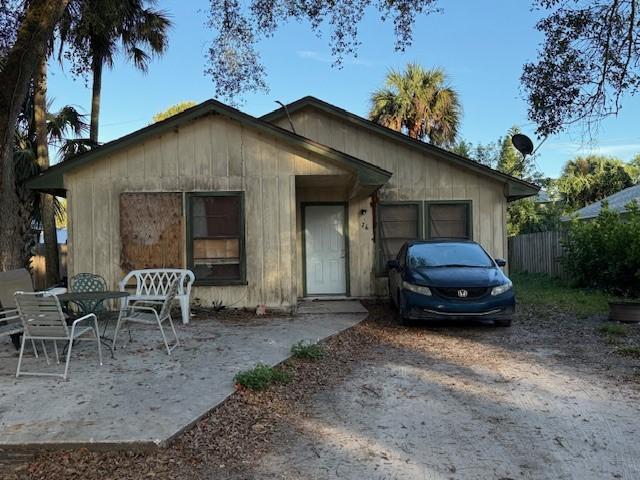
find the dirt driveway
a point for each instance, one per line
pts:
(545, 399)
(548, 398)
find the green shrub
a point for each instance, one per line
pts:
(260, 377)
(307, 351)
(613, 329)
(604, 253)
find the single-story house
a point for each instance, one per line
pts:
(616, 202)
(305, 201)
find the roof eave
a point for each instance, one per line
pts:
(521, 188)
(53, 177)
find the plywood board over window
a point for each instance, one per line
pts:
(151, 230)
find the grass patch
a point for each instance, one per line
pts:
(260, 377)
(307, 351)
(540, 289)
(614, 329)
(633, 352)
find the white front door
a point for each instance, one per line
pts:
(325, 249)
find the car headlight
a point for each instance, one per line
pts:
(416, 288)
(500, 289)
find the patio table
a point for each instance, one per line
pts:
(84, 299)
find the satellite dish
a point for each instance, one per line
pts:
(523, 144)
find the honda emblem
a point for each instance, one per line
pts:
(463, 293)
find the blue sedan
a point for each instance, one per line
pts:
(449, 279)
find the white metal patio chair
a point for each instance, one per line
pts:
(13, 281)
(154, 283)
(147, 315)
(42, 319)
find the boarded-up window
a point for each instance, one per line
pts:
(449, 220)
(397, 224)
(151, 231)
(216, 253)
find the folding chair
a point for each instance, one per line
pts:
(146, 315)
(42, 319)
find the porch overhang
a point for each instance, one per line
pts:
(350, 185)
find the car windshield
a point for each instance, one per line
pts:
(448, 254)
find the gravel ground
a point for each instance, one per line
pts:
(547, 398)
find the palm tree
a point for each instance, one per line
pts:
(51, 254)
(61, 129)
(94, 31)
(419, 103)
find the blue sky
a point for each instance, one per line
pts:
(481, 44)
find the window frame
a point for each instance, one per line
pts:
(189, 247)
(424, 224)
(427, 216)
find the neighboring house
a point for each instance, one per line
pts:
(617, 202)
(542, 198)
(265, 215)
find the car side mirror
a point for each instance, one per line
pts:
(393, 264)
(501, 262)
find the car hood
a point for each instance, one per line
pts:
(458, 276)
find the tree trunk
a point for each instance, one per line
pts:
(414, 130)
(48, 215)
(96, 67)
(22, 60)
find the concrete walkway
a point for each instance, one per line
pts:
(144, 398)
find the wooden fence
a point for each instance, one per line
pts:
(537, 253)
(38, 267)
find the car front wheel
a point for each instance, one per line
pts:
(391, 297)
(402, 314)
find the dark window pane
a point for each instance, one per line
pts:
(217, 272)
(216, 228)
(216, 216)
(449, 221)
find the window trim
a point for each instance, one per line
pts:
(379, 268)
(189, 224)
(427, 219)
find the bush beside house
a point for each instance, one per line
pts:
(605, 253)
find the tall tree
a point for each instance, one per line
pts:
(511, 162)
(51, 255)
(62, 130)
(173, 110)
(35, 27)
(633, 168)
(419, 103)
(94, 31)
(523, 216)
(585, 180)
(233, 62)
(590, 58)
(486, 154)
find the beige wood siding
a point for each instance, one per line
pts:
(217, 154)
(416, 176)
(209, 154)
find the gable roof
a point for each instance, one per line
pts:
(51, 180)
(517, 188)
(617, 202)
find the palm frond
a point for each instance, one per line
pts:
(418, 102)
(75, 146)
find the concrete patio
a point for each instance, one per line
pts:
(143, 398)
